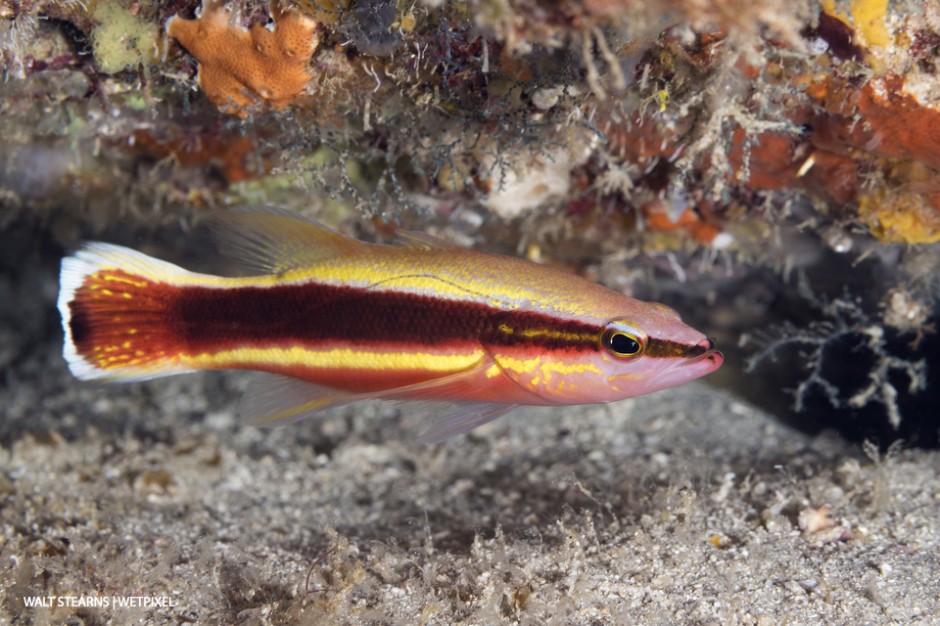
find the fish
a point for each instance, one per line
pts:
(327, 319)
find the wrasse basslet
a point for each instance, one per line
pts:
(337, 320)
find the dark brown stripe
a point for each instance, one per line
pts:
(211, 319)
(80, 324)
(663, 349)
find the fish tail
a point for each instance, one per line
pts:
(116, 306)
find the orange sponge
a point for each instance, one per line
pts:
(241, 70)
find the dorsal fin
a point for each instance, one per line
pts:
(422, 241)
(268, 240)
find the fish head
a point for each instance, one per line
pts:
(625, 356)
(637, 362)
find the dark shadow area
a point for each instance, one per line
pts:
(837, 319)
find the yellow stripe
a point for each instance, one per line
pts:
(540, 369)
(558, 367)
(118, 279)
(517, 366)
(336, 358)
(418, 273)
(502, 282)
(394, 278)
(548, 333)
(544, 366)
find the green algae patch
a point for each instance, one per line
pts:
(122, 39)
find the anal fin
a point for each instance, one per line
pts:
(454, 418)
(273, 400)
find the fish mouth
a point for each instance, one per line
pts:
(696, 361)
(703, 351)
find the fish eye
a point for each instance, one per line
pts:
(622, 343)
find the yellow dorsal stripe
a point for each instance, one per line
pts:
(335, 358)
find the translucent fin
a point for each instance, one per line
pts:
(268, 240)
(422, 241)
(455, 418)
(273, 400)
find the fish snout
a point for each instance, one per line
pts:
(704, 351)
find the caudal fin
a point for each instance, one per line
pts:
(115, 304)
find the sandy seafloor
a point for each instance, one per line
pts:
(684, 507)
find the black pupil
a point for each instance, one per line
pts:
(624, 344)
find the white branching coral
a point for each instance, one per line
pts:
(845, 322)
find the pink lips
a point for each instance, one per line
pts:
(704, 352)
(701, 360)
